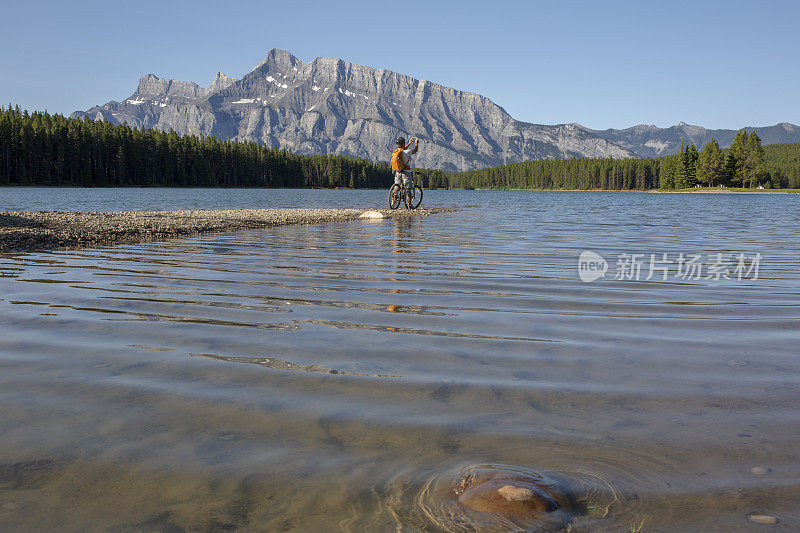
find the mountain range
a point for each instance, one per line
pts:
(332, 106)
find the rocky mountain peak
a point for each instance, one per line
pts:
(279, 60)
(221, 82)
(331, 106)
(151, 86)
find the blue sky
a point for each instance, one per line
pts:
(602, 63)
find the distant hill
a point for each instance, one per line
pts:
(650, 141)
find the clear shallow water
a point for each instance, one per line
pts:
(166, 199)
(188, 384)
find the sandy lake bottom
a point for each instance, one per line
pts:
(342, 376)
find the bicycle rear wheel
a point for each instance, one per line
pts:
(395, 196)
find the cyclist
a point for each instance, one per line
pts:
(401, 158)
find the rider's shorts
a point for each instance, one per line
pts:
(402, 177)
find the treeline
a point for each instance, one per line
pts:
(581, 173)
(43, 149)
(745, 164)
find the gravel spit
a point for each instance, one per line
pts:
(39, 231)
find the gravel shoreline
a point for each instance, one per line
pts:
(39, 231)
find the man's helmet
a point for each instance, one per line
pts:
(401, 140)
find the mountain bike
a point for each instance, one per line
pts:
(410, 197)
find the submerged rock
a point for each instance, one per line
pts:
(513, 494)
(763, 519)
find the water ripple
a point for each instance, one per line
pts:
(408, 352)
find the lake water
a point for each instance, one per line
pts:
(341, 376)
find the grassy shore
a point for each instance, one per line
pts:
(38, 231)
(730, 190)
(708, 190)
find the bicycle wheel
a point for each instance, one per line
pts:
(416, 197)
(395, 195)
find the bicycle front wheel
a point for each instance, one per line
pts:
(415, 198)
(395, 196)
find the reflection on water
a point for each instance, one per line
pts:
(278, 364)
(400, 236)
(345, 376)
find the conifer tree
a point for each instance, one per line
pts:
(753, 162)
(691, 170)
(729, 168)
(710, 164)
(738, 150)
(682, 168)
(667, 173)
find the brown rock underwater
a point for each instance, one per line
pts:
(514, 494)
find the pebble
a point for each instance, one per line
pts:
(510, 492)
(29, 231)
(760, 470)
(763, 519)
